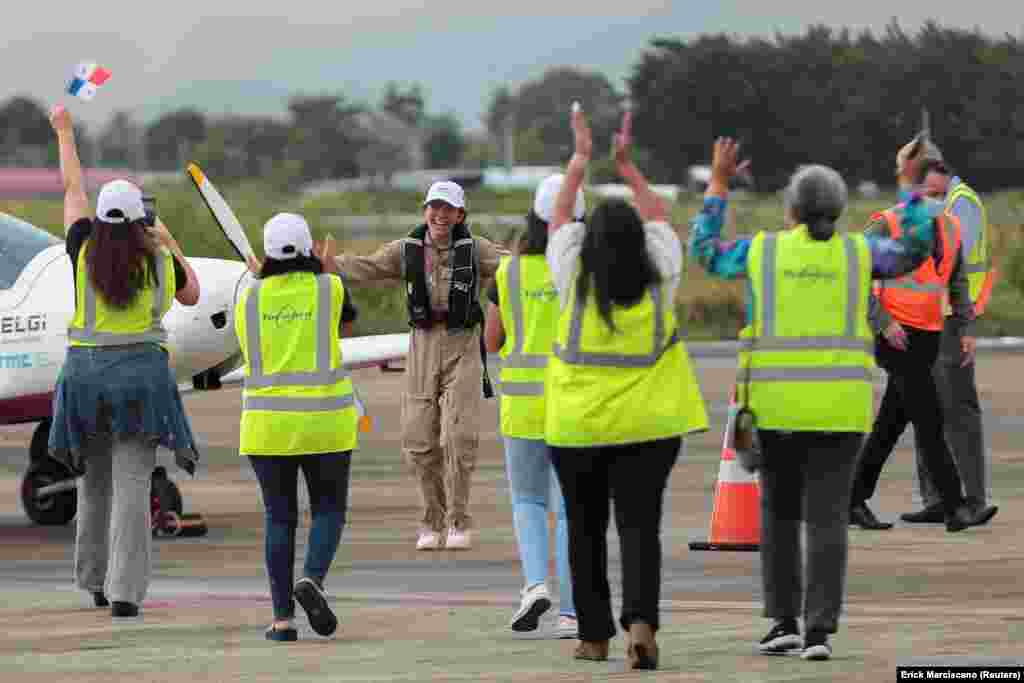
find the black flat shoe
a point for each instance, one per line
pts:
(123, 610)
(99, 599)
(862, 516)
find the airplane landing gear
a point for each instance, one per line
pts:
(48, 493)
(48, 488)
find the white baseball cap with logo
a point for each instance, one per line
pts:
(287, 235)
(447, 191)
(547, 192)
(120, 201)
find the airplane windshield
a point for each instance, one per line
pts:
(19, 243)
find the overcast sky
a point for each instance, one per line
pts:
(233, 56)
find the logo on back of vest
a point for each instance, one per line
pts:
(461, 286)
(287, 315)
(812, 273)
(548, 293)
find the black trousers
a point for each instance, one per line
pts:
(806, 479)
(911, 397)
(634, 476)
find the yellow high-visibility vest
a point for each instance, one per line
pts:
(978, 263)
(96, 323)
(631, 385)
(528, 302)
(297, 397)
(806, 357)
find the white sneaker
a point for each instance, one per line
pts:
(535, 601)
(567, 627)
(459, 539)
(428, 540)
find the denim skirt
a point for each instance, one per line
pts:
(105, 393)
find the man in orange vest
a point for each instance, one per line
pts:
(954, 372)
(907, 349)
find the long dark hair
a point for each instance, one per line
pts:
(614, 258)
(299, 264)
(120, 260)
(534, 239)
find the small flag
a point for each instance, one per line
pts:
(87, 79)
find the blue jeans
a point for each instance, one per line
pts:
(326, 477)
(532, 483)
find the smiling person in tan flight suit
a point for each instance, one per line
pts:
(443, 267)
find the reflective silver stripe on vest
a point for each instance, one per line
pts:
(849, 341)
(155, 334)
(976, 267)
(522, 388)
(290, 404)
(516, 358)
(809, 374)
(572, 354)
(324, 375)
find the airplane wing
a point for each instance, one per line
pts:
(358, 352)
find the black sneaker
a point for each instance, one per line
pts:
(124, 609)
(313, 599)
(816, 647)
(783, 637)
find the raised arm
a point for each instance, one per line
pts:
(189, 294)
(722, 259)
(891, 258)
(583, 145)
(650, 206)
(76, 204)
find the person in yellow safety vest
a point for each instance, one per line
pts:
(116, 398)
(954, 371)
(298, 412)
(621, 393)
(805, 371)
(521, 325)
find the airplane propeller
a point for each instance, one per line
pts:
(222, 213)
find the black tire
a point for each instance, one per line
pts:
(166, 494)
(39, 448)
(55, 510)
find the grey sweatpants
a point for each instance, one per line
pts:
(965, 433)
(806, 477)
(113, 545)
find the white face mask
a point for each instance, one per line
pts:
(935, 206)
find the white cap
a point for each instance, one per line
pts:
(123, 199)
(547, 192)
(448, 192)
(287, 235)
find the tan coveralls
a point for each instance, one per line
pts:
(441, 406)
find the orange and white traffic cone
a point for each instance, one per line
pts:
(736, 519)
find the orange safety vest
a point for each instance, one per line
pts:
(916, 299)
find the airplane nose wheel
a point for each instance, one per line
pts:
(54, 509)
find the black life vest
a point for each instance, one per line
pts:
(464, 310)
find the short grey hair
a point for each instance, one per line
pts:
(816, 192)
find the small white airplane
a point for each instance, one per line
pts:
(36, 305)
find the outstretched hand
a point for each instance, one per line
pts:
(60, 119)
(725, 165)
(324, 251)
(583, 141)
